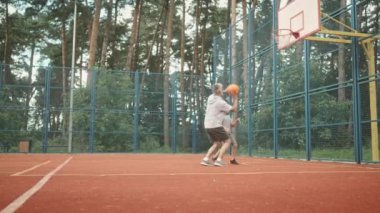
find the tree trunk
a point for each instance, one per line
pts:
(93, 41)
(80, 69)
(160, 51)
(203, 53)
(112, 61)
(107, 30)
(184, 140)
(195, 68)
(167, 71)
(233, 42)
(253, 97)
(30, 88)
(6, 34)
(245, 54)
(341, 58)
(64, 83)
(196, 38)
(228, 15)
(235, 74)
(7, 48)
(132, 47)
(149, 53)
(155, 34)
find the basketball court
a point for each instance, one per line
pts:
(178, 183)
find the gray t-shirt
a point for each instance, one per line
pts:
(216, 110)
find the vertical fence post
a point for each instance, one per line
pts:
(71, 111)
(136, 142)
(1, 76)
(274, 68)
(193, 133)
(250, 83)
(231, 60)
(215, 56)
(46, 112)
(92, 139)
(227, 56)
(307, 100)
(174, 112)
(356, 86)
(69, 149)
(370, 53)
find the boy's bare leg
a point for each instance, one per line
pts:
(233, 151)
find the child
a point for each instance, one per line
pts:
(229, 127)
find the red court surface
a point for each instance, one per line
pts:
(178, 183)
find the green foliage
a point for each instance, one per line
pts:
(326, 109)
(346, 154)
(150, 143)
(114, 91)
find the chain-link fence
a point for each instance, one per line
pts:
(313, 100)
(112, 111)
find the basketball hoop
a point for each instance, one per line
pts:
(296, 35)
(285, 36)
(296, 20)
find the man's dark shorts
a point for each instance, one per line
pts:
(218, 134)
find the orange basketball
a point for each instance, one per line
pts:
(232, 89)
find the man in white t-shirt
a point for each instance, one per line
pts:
(216, 110)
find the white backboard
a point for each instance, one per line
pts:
(297, 19)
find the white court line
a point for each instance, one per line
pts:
(12, 207)
(220, 173)
(30, 169)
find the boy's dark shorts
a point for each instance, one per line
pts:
(218, 134)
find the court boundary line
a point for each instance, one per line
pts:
(209, 173)
(324, 163)
(18, 202)
(30, 169)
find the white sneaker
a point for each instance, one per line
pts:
(205, 163)
(219, 163)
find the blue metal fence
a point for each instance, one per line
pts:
(291, 101)
(117, 111)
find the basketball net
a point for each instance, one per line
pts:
(284, 35)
